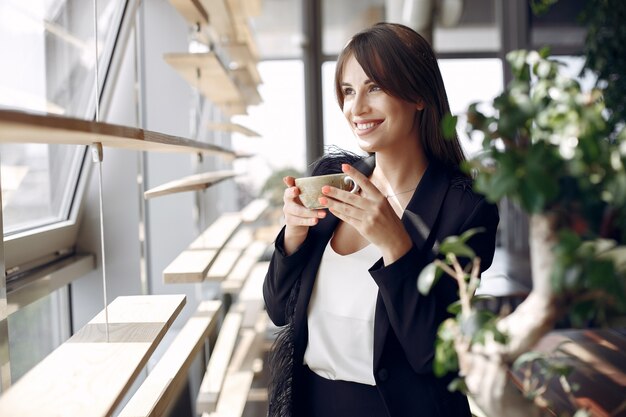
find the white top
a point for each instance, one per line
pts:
(341, 317)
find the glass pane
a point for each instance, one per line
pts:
(474, 30)
(279, 119)
(36, 330)
(559, 26)
(278, 29)
(38, 183)
(57, 73)
(57, 76)
(468, 81)
(342, 19)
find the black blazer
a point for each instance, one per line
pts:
(406, 322)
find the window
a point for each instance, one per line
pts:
(39, 182)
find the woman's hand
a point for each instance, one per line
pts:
(298, 218)
(370, 214)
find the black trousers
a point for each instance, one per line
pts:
(326, 398)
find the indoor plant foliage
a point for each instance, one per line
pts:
(557, 152)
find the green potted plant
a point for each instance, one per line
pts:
(560, 154)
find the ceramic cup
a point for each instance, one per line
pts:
(311, 187)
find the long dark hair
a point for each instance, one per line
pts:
(403, 65)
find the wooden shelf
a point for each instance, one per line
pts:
(192, 11)
(21, 127)
(169, 376)
(233, 128)
(239, 53)
(88, 375)
(233, 109)
(254, 210)
(204, 71)
(193, 264)
(220, 18)
(190, 183)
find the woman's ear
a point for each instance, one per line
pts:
(420, 105)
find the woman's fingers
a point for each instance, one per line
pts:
(360, 179)
(289, 181)
(295, 213)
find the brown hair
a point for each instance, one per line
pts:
(403, 65)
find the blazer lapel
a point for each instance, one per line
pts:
(419, 219)
(422, 211)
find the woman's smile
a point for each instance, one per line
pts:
(363, 127)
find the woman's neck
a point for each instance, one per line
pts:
(398, 173)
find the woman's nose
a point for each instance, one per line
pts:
(360, 104)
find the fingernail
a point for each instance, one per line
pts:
(323, 200)
(321, 214)
(326, 189)
(345, 167)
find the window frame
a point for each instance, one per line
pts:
(33, 248)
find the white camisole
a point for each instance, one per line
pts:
(341, 317)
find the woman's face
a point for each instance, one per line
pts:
(379, 121)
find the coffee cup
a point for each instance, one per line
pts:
(311, 187)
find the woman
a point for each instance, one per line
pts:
(358, 338)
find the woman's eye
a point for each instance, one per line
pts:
(375, 88)
(348, 91)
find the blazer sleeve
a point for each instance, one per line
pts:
(282, 274)
(415, 318)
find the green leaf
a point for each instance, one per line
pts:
(428, 278)
(454, 244)
(455, 307)
(466, 235)
(457, 384)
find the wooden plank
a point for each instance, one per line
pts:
(234, 394)
(239, 53)
(220, 19)
(88, 375)
(235, 280)
(251, 295)
(247, 356)
(213, 379)
(225, 261)
(192, 10)
(233, 109)
(189, 266)
(22, 127)
(233, 128)
(205, 72)
(193, 264)
(241, 239)
(247, 84)
(190, 183)
(244, 365)
(219, 232)
(169, 376)
(223, 264)
(254, 210)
